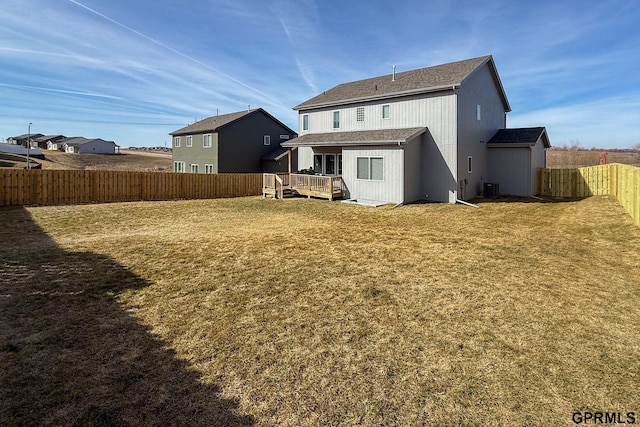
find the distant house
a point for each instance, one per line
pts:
(22, 139)
(88, 146)
(45, 141)
(240, 142)
(420, 134)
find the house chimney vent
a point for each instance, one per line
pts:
(393, 78)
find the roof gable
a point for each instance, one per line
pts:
(430, 79)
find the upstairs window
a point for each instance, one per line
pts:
(189, 141)
(176, 141)
(266, 140)
(385, 111)
(360, 114)
(305, 122)
(206, 140)
(336, 119)
(478, 112)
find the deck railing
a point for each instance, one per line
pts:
(308, 185)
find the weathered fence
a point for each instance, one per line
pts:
(60, 187)
(621, 181)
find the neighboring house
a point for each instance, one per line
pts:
(88, 146)
(241, 142)
(46, 141)
(407, 136)
(19, 150)
(22, 139)
(513, 152)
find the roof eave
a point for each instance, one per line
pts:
(301, 107)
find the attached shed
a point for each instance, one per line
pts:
(514, 156)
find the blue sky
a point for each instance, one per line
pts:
(132, 71)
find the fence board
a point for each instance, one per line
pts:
(55, 187)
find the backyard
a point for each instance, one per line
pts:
(307, 312)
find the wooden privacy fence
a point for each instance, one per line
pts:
(60, 187)
(621, 181)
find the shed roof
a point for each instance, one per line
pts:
(423, 80)
(368, 137)
(520, 136)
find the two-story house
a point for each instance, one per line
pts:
(241, 142)
(407, 136)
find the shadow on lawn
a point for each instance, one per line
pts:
(70, 354)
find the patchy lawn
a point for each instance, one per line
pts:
(306, 312)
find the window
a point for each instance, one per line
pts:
(317, 163)
(283, 136)
(336, 119)
(370, 168)
(176, 141)
(208, 168)
(305, 122)
(206, 141)
(266, 140)
(385, 111)
(339, 164)
(189, 141)
(478, 112)
(330, 164)
(360, 114)
(469, 164)
(194, 168)
(178, 167)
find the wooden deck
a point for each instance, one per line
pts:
(278, 185)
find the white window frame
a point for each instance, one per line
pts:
(369, 168)
(208, 168)
(359, 114)
(266, 140)
(285, 137)
(386, 107)
(335, 114)
(207, 137)
(189, 141)
(177, 140)
(194, 167)
(179, 167)
(469, 164)
(479, 112)
(305, 122)
(340, 164)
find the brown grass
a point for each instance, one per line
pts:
(126, 160)
(306, 312)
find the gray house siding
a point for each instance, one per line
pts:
(481, 90)
(506, 166)
(413, 170)
(196, 154)
(390, 189)
(243, 145)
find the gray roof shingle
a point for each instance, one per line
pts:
(368, 137)
(439, 77)
(212, 124)
(520, 136)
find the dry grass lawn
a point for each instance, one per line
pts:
(306, 312)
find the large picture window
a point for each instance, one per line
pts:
(317, 163)
(371, 168)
